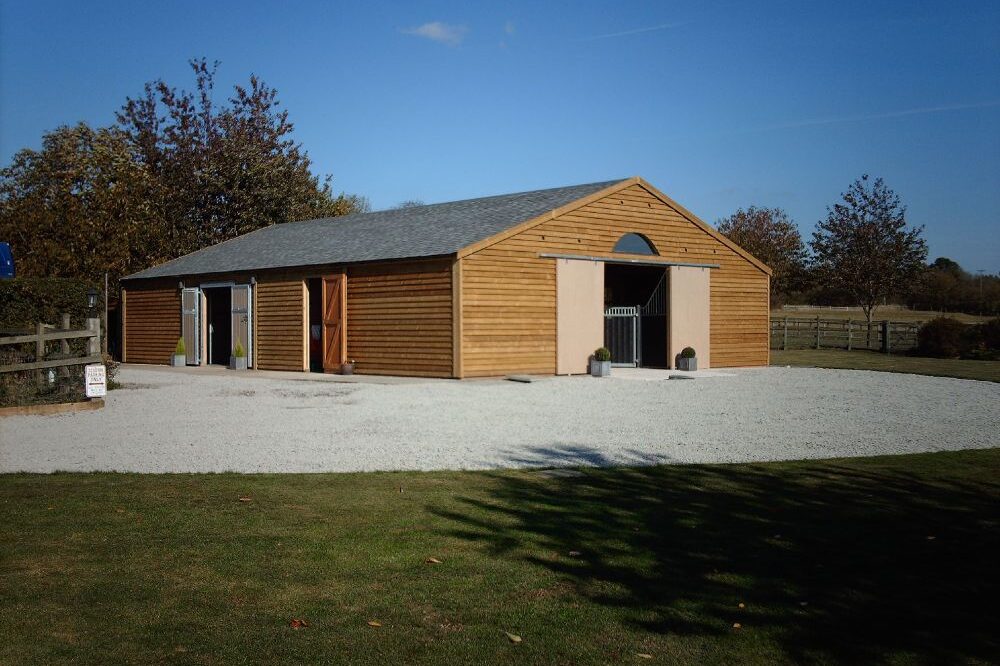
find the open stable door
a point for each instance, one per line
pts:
(191, 324)
(241, 320)
(334, 322)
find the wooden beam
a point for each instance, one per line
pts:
(47, 337)
(456, 319)
(55, 363)
(306, 333)
(124, 336)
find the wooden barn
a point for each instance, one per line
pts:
(519, 283)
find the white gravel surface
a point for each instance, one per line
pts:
(175, 421)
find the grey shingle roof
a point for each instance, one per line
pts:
(403, 233)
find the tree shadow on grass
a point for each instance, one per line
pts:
(845, 561)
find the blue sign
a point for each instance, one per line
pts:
(6, 261)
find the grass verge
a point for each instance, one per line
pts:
(845, 561)
(867, 360)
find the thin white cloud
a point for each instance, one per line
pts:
(625, 33)
(835, 120)
(436, 31)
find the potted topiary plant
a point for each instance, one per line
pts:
(600, 362)
(238, 361)
(347, 368)
(179, 359)
(687, 360)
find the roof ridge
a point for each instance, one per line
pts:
(436, 229)
(459, 201)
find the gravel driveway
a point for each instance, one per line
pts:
(169, 421)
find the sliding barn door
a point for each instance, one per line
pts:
(334, 322)
(191, 324)
(241, 320)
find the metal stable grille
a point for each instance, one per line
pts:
(656, 306)
(621, 335)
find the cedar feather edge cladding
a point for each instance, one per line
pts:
(280, 324)
(509, 291)
(151, 324)
(488, 308)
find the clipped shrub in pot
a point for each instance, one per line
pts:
(600, 362)
(179, 359)
(238, 361)
(687, 360)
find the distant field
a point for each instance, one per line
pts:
(892, 314)
(867, 360)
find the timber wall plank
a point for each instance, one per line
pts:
(509, 293)
(280, 324)
(399, 319)
(152, 325)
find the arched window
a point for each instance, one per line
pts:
(634, 244)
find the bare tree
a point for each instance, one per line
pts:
(409, 203)
(865, 247)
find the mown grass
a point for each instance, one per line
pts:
(868, 360)
(846, 561)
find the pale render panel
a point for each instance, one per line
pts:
(580, 313)
(690, 314)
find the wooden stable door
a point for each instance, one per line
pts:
(334, 322)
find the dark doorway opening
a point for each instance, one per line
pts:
(219, 322)
(643, 288)
(315, 289)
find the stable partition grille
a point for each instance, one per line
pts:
(622, 336)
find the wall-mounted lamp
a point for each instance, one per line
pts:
(91, 298)
(180, 285)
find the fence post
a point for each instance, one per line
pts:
(850, 330)
(64, 345)
(94, 343)
(817, 331)
(784, 340)
(40, 350)
(885, 336)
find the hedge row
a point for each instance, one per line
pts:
(26, 301)
(945, 337)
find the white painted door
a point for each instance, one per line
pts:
(242, 323)
(191, 324)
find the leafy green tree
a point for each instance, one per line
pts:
(225, 169)
(81, 205)
(769, 235)
(865, 247)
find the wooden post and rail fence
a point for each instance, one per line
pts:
(817, 333)
(47, 333)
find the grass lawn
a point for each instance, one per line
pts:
(847, 561)
(868, 360)
(891, 314)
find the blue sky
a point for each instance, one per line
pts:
(721, 105)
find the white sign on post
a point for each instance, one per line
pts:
(96, 380)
